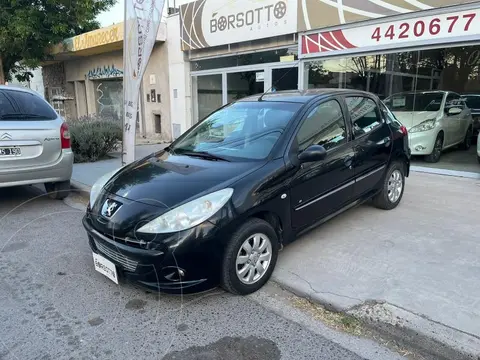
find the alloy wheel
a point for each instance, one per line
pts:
(395, 186)
(253, 258)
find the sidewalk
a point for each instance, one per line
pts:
(87, 173)
(413, 273)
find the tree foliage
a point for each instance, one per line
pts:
(28, 28)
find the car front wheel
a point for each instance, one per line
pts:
(250, 257)
(434, 157)
(392, 190)
(58, 190)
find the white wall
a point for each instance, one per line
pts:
(180, 85)
(36, 82)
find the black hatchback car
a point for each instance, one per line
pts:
(216, 205)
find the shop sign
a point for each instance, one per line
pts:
(99, 37)
(211, 23)
(426, 30)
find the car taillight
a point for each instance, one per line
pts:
(65, 136)
(404, 130)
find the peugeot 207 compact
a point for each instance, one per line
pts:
(217, 205)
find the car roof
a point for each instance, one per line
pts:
(17, 88)
(301, 96)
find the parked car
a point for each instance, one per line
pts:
(203, 212)
(473, 103)
(478, 147)
(34, 143)
(435, 120)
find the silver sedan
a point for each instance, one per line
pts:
(34, 143)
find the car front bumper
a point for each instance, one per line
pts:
(61, 170)
(478, 145)
(422, 143)
(191, 255)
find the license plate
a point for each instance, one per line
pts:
(10, 151)
(105, 267)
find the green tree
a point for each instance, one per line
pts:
(28, 29)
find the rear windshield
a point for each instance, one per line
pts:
(20, 105)
(473, 101)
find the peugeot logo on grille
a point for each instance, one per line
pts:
(110, 207)
(6, 136)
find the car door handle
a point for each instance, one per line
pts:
(348, 160)
(385, 141)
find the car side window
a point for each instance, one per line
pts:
(364, 114)
(454, 100)
(324, 125)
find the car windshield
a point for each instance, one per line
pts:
(242, 130)
(473, 101)
(428, 101)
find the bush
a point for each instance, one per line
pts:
(93, 137)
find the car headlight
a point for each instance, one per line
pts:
(188, 215)
(424, 126)
(98, 186)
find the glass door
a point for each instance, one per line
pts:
(245, 83)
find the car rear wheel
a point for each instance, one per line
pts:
(392, 189)
(467, 141)
(58, 190)
(250, 257)
(437, 150)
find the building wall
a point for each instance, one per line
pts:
(96, 83)
(180, 88)
(156, 78)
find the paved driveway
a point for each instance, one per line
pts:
(53, 305)
(422, 256)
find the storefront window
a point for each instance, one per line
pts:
(261, 57)
(209, 94)
(285, 79)
(109, 99)
(243, 84)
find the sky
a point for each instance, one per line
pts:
(115, 14)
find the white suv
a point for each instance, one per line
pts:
(436, 120)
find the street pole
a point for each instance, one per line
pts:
(128, 143)
(142, 111)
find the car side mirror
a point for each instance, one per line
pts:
(454, 111)
(312, 153)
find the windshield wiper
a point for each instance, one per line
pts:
(23, 116)
(202, 154)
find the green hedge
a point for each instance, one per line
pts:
(94, 137)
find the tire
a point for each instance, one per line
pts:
(230, 277)
(434, 157)
(467, 141)
(58, 190)
(385, 199)
(478, 159)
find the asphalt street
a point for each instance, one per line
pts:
(53, 305)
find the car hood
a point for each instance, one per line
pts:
(412, 118)
(166, 180)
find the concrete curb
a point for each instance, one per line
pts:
(80, 188)
(413, 331)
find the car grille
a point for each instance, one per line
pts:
(127, 264)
